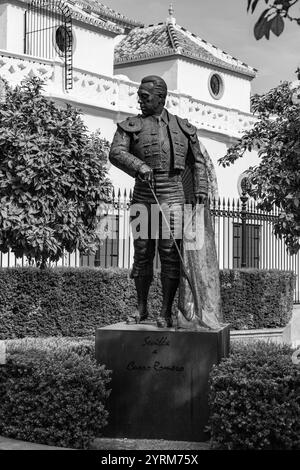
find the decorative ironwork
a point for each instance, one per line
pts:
(48, 33)
(243, 233)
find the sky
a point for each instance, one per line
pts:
(226, 24)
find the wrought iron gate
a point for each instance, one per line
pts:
(48, 33)
(244, 238)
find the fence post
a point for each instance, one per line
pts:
(244, 200)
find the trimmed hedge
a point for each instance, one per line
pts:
(53, 392)
(257, 298)
(255, 399)
(75, 301)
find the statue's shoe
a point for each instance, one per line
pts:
(163, 322)
(136, 318)
(143, 317)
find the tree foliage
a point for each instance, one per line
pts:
(273, 17)
(52, 176)
(276, 179)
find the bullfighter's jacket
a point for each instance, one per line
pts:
(137, 143)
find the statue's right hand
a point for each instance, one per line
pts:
(145, 173)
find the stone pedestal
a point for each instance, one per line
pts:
(160, 379)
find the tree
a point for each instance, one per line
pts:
(273, 18)
(276, 179)
(52, 176)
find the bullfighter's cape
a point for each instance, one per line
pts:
(199, 289)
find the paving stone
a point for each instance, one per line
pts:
(110, 444)
(146, 444)
(14, 444)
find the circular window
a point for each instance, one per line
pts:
(63, 39)
(216, 86)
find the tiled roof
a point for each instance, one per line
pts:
(85, 16)
(169, 39)
(143, 42)
(95, 13)
(106, 13)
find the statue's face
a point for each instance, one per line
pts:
(150, 103)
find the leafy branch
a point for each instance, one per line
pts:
(273, 18)
(276, 179)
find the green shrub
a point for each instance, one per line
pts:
(53, 392)
(75, 301)
(255, 399)
(53, 176)
(257, 298)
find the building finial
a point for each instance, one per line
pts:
(171, 18)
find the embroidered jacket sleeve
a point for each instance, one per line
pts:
(195, 158)
(120, 154)
(199, 167)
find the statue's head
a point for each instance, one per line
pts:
(152, 95)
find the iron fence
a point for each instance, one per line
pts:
(243, 234)
(48, 33)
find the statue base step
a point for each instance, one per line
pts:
(159, 379)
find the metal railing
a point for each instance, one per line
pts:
(48, 33)
(243, 234)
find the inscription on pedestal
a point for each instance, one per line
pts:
(159, 379)
(154, 346)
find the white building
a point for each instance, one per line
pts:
(94, 58)
(99, 70)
